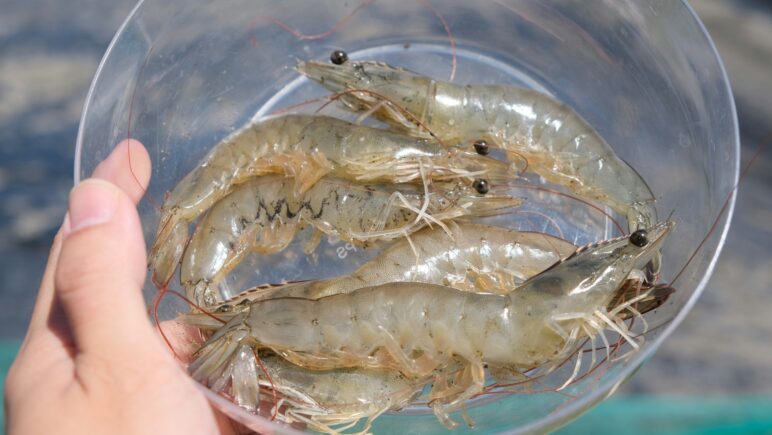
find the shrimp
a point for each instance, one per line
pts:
(418, 328)
(330, 401)
(264, 215)
(305, 147)
(471, 257)
(557, 142)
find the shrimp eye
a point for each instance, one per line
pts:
(482, 147)
(481, 186)
(338, 57)
(639, 239)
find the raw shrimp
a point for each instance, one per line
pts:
(557, 142)
(418, 328)
(305, 147)
(471, 257)
(330, 401)
(264, 215)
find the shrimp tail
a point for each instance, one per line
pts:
(225, 360)
(237, 371)
(305, 168)
(167, 250)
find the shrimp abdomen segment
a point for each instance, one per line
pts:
(252, 217)
(413, 328)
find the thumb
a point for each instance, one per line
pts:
(101, 270)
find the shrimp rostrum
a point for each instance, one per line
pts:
(306, 148)
(418, 329)
(264, 215)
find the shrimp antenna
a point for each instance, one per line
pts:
(566, 195)
(129, 140)
(721, 212)
(162, 291)
(302, 36)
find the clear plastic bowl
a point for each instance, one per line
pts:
(181, 74)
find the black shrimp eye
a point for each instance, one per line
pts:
(481, 186)
(482, 147)
(338, 57)
(639, 238)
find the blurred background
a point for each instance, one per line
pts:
(713, 375)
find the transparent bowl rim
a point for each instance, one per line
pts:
(567, 412)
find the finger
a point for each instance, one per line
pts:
(128, 167)
(101, 270)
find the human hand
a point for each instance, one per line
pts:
(91, 362)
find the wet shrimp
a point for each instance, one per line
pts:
(305, 147)
(264, 215)
(470, 257)
(328, 401)
(417, 328)
(557, 142)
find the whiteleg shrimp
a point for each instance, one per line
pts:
(470, 257)
(330, 401)
(305, 147)
(264, 214)
(417, 329)
(557, 142)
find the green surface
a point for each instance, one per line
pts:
(8, 352)
(629, 414)
(632, 415)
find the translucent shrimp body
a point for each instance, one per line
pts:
(468, 258)
(557, 142)
(264, 214)
(471, 257)
(417, 328)
(329, 401)
(304, 147)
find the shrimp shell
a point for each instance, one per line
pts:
(305, 147)
(417, 328)
(264, 215)
(471, 257)
(557, 142)
(329, 401)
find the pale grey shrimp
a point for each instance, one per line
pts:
(418, 328)
(305, 147)
(470, 257)
(264, 214)
(557, 142)
(329, 401)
